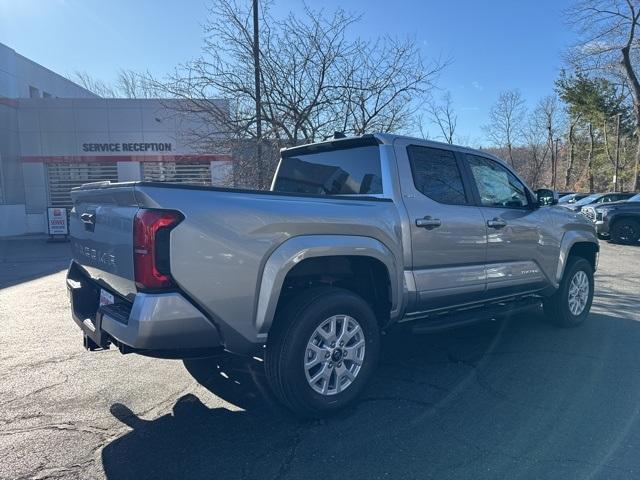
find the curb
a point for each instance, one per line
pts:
(22, 238)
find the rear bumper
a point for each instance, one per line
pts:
(153, 322)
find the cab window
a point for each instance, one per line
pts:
(344, 171)
(497, 186)
(436, 174)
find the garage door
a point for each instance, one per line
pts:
(62, 177)
(198, 173)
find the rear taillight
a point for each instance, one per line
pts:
(151, 231)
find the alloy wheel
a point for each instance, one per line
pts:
(334, 354)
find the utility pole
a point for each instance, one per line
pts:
(617, 162)
(555, 166)
(554, 170)
(256, 67)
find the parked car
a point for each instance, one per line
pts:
(619, 221)
(564, 194)
(572, 197)
(597, 198)
(356, 235)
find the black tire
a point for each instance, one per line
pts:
(287, 347)
(625, 231)
(557, 308)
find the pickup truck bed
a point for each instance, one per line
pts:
(224, 306)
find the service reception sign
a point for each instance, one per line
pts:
(57, 220)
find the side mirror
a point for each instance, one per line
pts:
(546, 197)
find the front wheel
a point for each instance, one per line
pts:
(625, 231)
(570, 305)
(322, 351)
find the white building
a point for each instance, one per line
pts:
(55, 135)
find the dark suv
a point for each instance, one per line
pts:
(619, 221)
(597, 198)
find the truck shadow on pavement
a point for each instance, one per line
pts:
(25, 260)
(501, 399)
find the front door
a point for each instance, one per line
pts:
(448, 233)
(517, 233)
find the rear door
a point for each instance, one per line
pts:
(448, 234)
(519, 236)
(101, 230)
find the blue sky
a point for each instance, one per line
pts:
(495, 45)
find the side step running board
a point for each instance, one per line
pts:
(454, 319)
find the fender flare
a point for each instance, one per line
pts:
(569, 239)
(297, 249)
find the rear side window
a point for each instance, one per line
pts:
(350, 171)
(621, 196)
(436, 174)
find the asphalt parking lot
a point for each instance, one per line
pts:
(506, 399)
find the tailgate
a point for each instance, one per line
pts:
(101, 230)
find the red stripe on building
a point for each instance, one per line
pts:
(125, 158)
(10, 102)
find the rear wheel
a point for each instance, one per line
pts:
(625, 231)
(322, 351)
(571, 303)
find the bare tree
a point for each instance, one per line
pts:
(444, 116)
(537, 152)
(547, 117)
(384, 84)
(422, 131)
(99, 87)
(571, 136)
(609, 45)
(128, 84)
(314, 78)
(589, 166)
(132, 84)
(506, 120)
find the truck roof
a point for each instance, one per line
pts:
(375, 139)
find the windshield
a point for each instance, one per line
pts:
(635, 198)
(566, 198)
(589, 199)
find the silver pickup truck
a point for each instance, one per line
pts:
(356, 235)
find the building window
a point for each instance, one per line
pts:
(62, 177)
(34, 92)
(46, 94)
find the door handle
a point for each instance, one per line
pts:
(428, 222)
(88, 218)
(496, 223)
